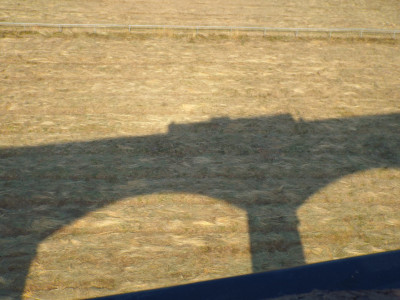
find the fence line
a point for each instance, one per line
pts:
(264, 30)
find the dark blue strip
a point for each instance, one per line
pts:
(376, 271)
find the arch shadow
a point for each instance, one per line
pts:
(252, 163)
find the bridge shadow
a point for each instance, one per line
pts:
(253, 163)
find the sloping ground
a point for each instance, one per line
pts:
(273, 13)
(86, 88)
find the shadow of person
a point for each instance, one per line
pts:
(258, 164)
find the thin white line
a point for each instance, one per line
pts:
(183, 27)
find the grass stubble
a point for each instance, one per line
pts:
(79, 87)
(273, 13)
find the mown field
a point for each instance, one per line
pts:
(272, 13)
(130, 162)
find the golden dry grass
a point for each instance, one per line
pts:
(272, 13)
(71, 88)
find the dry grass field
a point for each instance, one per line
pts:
(130, 162)
(271, 13)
